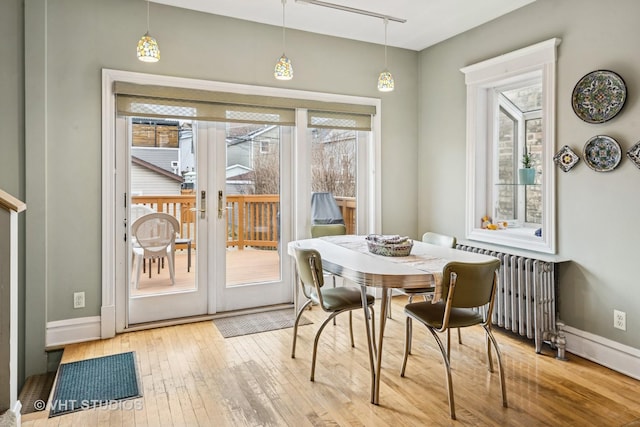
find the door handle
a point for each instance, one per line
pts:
(220, 205)
(203, 205)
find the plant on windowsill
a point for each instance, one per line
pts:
(527, 174)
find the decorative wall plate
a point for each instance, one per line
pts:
(602, 153)
(566, 158)
(599, 96)
(634, 154)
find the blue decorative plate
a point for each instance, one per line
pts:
(602, 153)
(599, 96)
(566, 158)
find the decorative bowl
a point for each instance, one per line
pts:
(390, 249)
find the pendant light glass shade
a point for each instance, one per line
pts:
(148, 50)
(385, 82)
(385, 79)
(283, 69)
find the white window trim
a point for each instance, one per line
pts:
(481, 79)
(112, 319)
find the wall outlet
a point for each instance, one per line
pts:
(620, 320)
(78, 300)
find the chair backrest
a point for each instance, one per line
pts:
(305, 259)
(439, 239)
(319, 230)
(138, 210)
(154, 232)
(324, 209)
(469, 285)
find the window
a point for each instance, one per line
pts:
(519, 114)
(511, 111)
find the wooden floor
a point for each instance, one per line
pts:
(192, 376)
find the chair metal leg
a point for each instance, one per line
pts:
(410, 325)
(315, 343)
(445, 359)
(373, 328)
(449, 345)
(350, 326)
(500, 369)
(295, 328)
(333, 276)
(388, 304)
(489, 358)
(459, 337)
(407, 344)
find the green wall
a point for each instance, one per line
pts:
(597, 213)
(12, 135)
(69, 42)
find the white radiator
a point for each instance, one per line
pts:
(526, 298)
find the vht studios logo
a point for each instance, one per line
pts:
(74, 405)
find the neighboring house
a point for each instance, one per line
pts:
(239, 180)
(149, 179)
(244, 142)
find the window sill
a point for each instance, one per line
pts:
(519, 237)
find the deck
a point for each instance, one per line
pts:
(265, 266)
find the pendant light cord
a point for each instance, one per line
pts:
(147, 16)
(283, 27)
(386, 22)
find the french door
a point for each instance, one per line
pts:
(225, 191)
(250, 186)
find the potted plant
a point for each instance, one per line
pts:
(527, 174)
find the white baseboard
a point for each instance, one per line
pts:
(603, 351)
(61, 332)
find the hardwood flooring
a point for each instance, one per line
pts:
(192, 376)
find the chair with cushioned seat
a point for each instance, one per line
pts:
(320, 230)
(331, 300)
(426, 293)
(470, 290)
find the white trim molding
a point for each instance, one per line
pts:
(70, 331)
(603, 351)
(482, 79)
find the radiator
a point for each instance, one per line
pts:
(525, 300)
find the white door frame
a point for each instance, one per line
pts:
(114, 297)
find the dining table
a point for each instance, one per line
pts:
(348, 257)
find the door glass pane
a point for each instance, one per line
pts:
(252, 203)
(162, 180)
(333, 171)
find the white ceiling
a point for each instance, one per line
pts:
(428, 21)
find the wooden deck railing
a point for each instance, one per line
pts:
(252, 219)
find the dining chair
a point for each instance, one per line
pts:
(332, 300)
(470, 290)
(426, 293)
(320, 230)
(155, 236)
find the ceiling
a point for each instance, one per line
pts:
(428, 21)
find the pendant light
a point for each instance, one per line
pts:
(148, 50)
(283, 69)
(385, 80)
